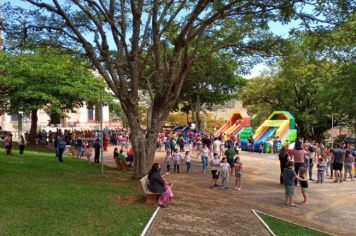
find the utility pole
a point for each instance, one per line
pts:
(101, 134)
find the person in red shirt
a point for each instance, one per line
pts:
(130, 156)
(105, 142)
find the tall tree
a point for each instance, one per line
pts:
(46, 78)
(122, 38)
(211, 80)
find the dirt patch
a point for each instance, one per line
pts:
(128, 199)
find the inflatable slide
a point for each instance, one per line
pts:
(279, 124)
(238, 124)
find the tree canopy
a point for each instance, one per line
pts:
(314, 81)
(46, 79)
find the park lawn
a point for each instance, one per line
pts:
(40, 196)
(281, 227)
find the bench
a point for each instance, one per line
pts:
(121, 164)
(150, 197)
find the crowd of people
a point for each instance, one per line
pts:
(221, 156)
(297, 164)
(81, 143)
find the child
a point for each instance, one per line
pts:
(321, 170)
(224, 170)
(238, 173)
(289, 176)
(88, 152)
(187, 160)
(304, 185)
(349, 159)
(168, 160)
(116, 153)
(215, 164)
(176, 158)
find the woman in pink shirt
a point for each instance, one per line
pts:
(299, 154)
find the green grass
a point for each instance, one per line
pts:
(40, 196)
(281, 227)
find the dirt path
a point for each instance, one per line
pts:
(199, 210)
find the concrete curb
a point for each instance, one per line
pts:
(263, 222)
(303, 226)
(149, 223)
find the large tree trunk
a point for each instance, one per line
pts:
(33, 129)
(144, 143)
(197, 107)
(191, 104)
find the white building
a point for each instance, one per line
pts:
(83, 118)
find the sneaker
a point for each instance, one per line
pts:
(238, 189)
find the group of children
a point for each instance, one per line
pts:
(224, 169)
(176, 158)
(219, 168)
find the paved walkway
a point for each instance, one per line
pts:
(199, 210)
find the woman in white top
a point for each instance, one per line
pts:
(215, 165)
(205, 157)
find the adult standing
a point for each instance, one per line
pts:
(312, 154)
(283, 160)
(55, 143)
(79, 144)
(205, 157)
(216, 146)
(8, 144)
(207, 141)
(338, 162)
(97, 147)
(22, 143)
(275, 145)
(105, 142)
(61, 145)
(299, 152)
(251, 143)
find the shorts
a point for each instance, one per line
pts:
(215, 174)
(304, 190)
(338, 166)
(289, 190)
(238, 174)
(231, 162)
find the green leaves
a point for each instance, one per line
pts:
(46, 78)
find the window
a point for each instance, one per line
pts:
(90, 114)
